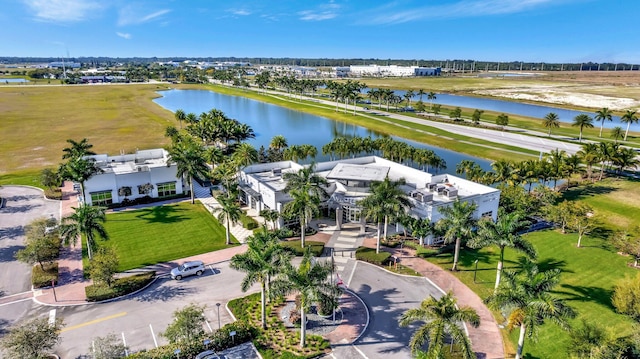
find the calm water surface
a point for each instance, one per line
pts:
(298, 128)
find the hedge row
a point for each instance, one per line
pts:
(42, 278)
(121, 286)
(369, 255)
(219, 341)
(248, 222)
(295, 248)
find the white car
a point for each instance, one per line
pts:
(186, 269)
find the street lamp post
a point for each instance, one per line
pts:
(218, 305)
(475, 271)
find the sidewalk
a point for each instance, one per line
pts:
(486, 339)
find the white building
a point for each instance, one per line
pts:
(262, 187)
(131, 176)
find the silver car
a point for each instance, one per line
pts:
(186, 269)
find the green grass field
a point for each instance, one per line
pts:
(159, 234)
(588, 276)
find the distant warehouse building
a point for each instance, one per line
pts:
(427, 71)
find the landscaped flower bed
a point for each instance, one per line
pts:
(276, 341)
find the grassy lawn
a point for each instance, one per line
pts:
(588, 276)
(615, 201)
(164, 233)
(38, 120)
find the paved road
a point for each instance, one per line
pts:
(151, 309)
(388, 296)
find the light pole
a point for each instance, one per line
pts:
(218, 305)
(475, 271)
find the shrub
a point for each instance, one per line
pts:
(369, 255)
(53, 193)
(120, 287)
(283, 233)
(294, 247)
(42, 278)
(626, 297)
(248, 222)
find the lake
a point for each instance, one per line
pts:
(12, 80)
(515, 108)
(268, 120)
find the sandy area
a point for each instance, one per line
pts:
(554, 95)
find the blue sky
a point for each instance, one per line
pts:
(492, 30)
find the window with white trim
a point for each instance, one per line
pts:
(102, 198)
(166, 189)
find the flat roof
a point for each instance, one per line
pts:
(349, 171)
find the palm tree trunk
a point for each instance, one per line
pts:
(303, 325)
(263, 306)
(302, 228)
(378, 239)
(228, 231)
(386, 224)
(523, 330)
(499, 270)
(627, 131)
(601, 126)
(82, 190)
(88, 248)
(579, 237)
(456, 254)
(191, 189)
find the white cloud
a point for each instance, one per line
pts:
(461, 9)
(240, 12)
(323, 12)
(124, 35)
(63, 10)
(129, 15)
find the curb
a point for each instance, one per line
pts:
(366, 310)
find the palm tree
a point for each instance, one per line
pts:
(442, 317)
(603, 114)
(582, 121)
(244, 155)
(617, 133)
(551, 120)
(386, 199)
(270, 215)
(456, 225)
(180, 116)
(309, 281)
(421, 93)
(85, 221)
(629, 117)
(304, 206)
(525, 298)
(504, 233)
(264, 258)
(229, 213)
(556, 159)
(431, 96)
(79, 170)
(625, 158)
(590, 155)
(190, 159)
(278, 143)
(77, 149)
(308, 178)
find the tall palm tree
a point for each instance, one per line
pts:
(625, 158)
(79, 170)
(551, 120)
(85, 221)
(385, 200)
(556, 159)
(457, 225)
(310, 282)
(629, 117)
(190, 158)
(308, 178)
(77, 149)
(504, 233)
(262, 260)
(278, 143)
(442, 317)
(617, 133)
(271, 215)
(431, 96)
(304, 206)
(229, 213)
(590, 155)
(572, 165)
(421, 93)
(180, 116)
(582, 120)
(244, 155)
(603, 114)
(525, 297)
